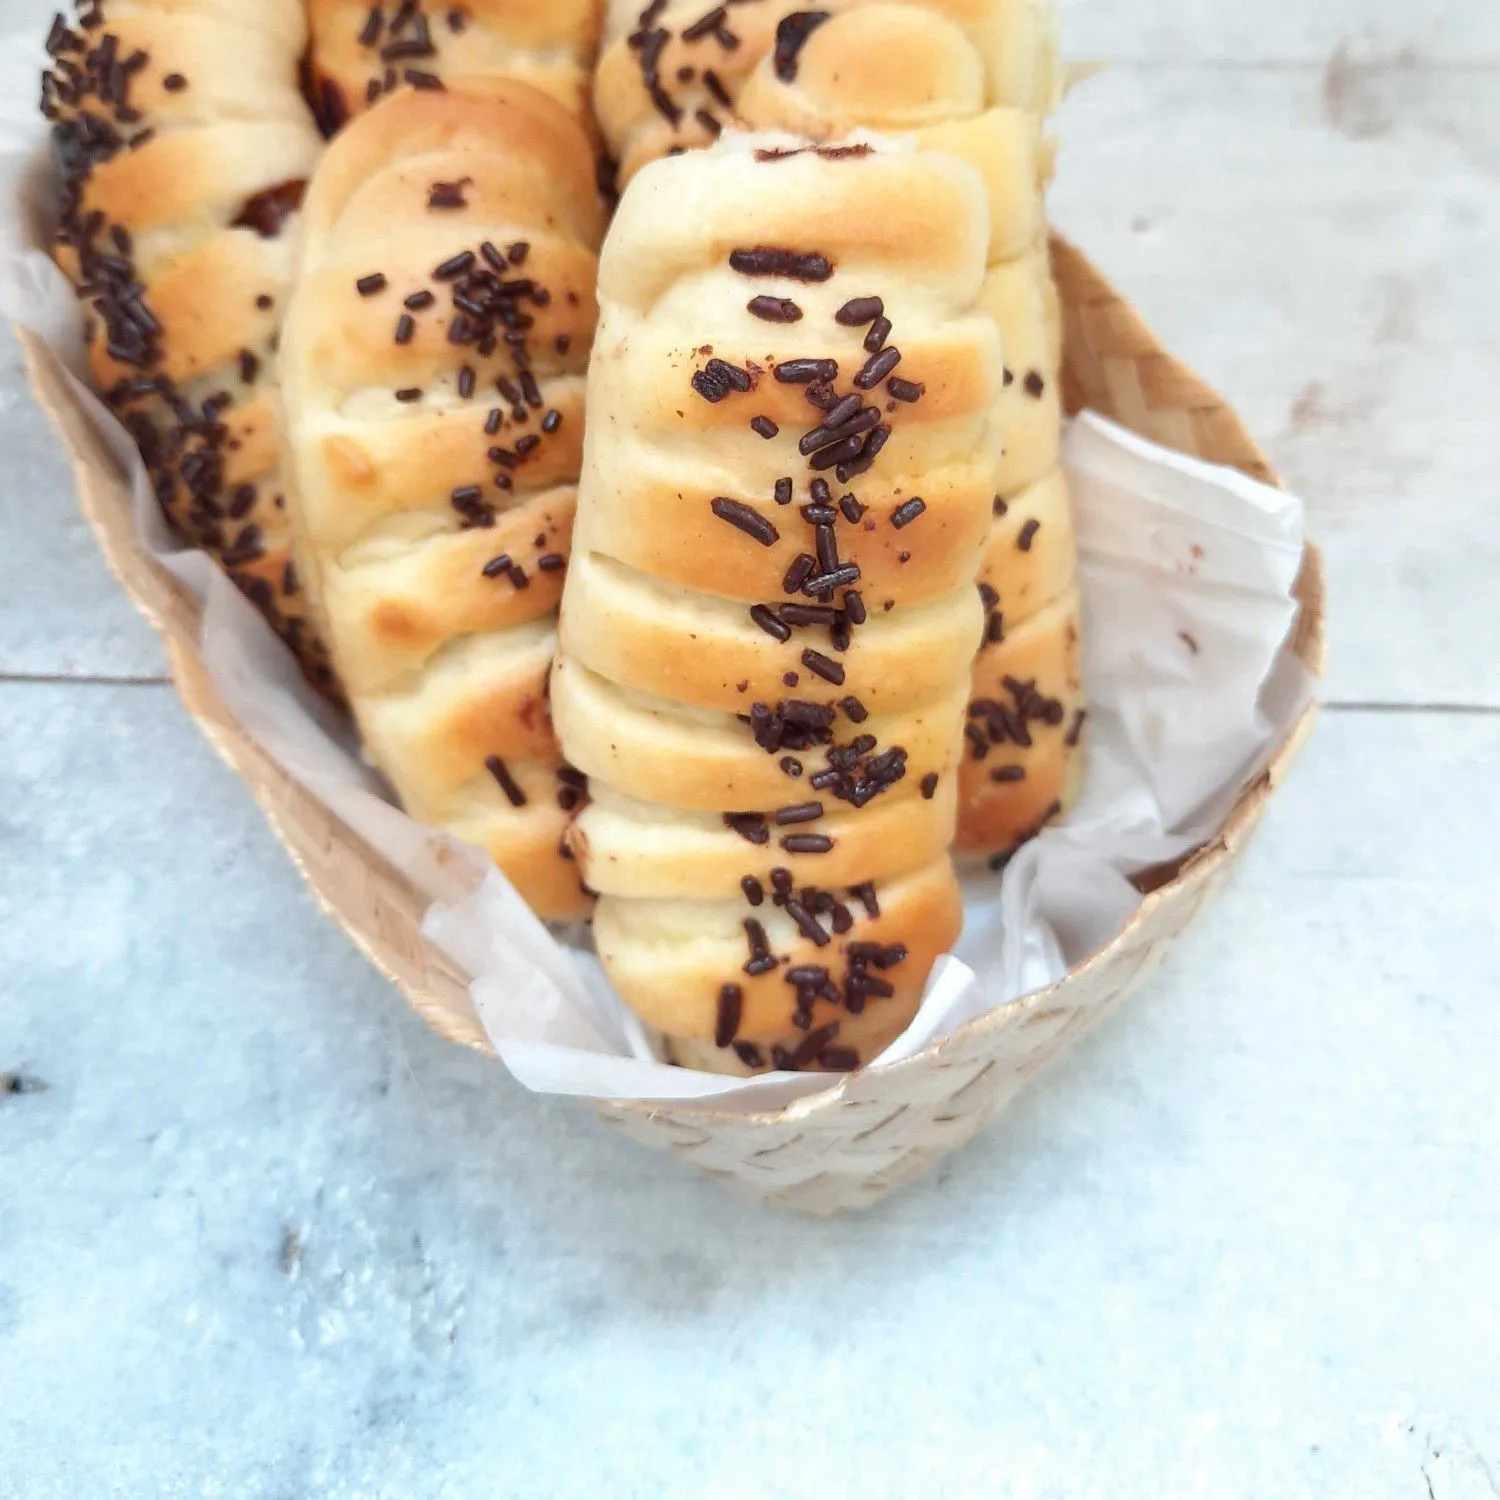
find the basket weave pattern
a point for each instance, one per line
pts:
(845, 1147)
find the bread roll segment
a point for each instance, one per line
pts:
(363, 52)
(974, 79)
(432, 380)
(773, 736)
(183, 148)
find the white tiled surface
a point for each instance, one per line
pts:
(261, 1235)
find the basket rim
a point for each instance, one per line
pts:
(167, 597)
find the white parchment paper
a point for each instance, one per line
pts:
(1185, 575)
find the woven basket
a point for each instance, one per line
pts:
(847, 1146)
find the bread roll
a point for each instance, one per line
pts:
(975, 80)
(361, 51)
(183, 147)
(768, 626)
(433, 369)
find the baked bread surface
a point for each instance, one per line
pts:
(433, 370)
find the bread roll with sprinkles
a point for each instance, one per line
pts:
(769, 622)
(433, 368)
(362, 51)
(183, 146)
(976, 81)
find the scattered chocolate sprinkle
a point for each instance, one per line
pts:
(717, 378)
(465, 383)
(807, 924)
(406, 327)
(552, 562)
(449, 195)
(766, 260)
(906, 513)
(743, 518)
(1035, 385)
(1075, 729)
(731, 1004)
(783, 496)
(766, 428)
(1028, 534)
(709, 122)
(750, 826)
(905, 390)
(507, 783)
(790, 765)
(1008, 773)
(802, 568)
(409, 393)
(877, 367)
(800, 371)
(420, 80)
(774, 309)
(749, 1054)
(174, 83)
(854, 710)
(807, 843)
(829, 671)
(249, 367)
(714, 84)
(825, 583)
(769, 622)
(802, 812)
(754, 891)
(880, 331)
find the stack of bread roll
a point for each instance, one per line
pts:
(977, 81)
(433, 375)
(819, 609)
(363, 52)
(770, 616)
(183, 148)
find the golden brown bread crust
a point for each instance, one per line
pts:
(360, 52)
(184, 145)
(433, 367)
(665, 957)
(975, 80)
(770, 617)
(666, 81)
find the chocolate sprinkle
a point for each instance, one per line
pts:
(792, 33)
(750, 826)
(807, 843)
(858, 311)
(369, 286)
(800, 371)
(507, 783)
(769, 623)
(743, 518)
(908, 512)
(766, 428)
(774, 309)
(766, 260)
(829, 671)
(727, 1023)
(1028, 534)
